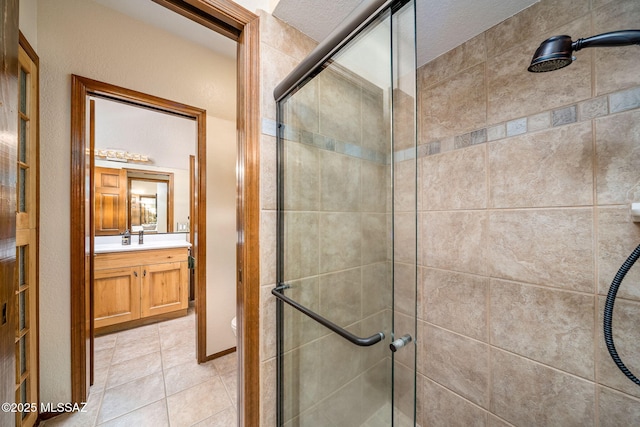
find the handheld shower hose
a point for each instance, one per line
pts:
(608, 313)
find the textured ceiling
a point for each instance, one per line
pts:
(441, 25)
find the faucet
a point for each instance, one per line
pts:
(140, 237)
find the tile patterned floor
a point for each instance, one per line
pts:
(148, 376)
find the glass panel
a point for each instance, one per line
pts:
(24, 395)
(346, 192)
(22, 308)
(22, 265)
(405, 218)
(22, 190)
(23, 91)
(22, 151)
(23, 354)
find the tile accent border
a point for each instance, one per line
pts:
(590, 109)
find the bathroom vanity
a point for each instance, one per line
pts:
(139, 283)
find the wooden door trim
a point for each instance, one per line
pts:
(248, 187)
(81, 87)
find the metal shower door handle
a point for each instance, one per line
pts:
(400, 342)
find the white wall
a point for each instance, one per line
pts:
(29, 21)
(84, 38)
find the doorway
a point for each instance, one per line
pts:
(238, 24)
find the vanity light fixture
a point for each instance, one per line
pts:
(122, 156)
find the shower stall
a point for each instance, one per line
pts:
(346, 292)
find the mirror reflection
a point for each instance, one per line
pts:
(142, 169)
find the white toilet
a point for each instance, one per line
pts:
(233, 326)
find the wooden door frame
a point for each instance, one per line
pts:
(237, 23)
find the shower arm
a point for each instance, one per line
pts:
(611, 39)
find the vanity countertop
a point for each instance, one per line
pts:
(107, 244)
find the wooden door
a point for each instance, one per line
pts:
(116, 295)
(164, 288)
(26, 285)
(110, 201)
(8, 174)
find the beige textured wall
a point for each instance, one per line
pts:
(82, 37)
(524, 222)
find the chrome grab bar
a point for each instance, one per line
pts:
(363, 342)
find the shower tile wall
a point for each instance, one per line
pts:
(281, 49)
(524, 186)
(337, 173)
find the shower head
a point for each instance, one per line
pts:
(555, 52)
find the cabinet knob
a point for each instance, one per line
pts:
(135, 273)
(144, 273)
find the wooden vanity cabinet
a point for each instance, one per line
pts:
(134, 285)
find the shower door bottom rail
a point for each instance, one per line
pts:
(362, 342)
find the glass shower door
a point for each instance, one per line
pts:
(346, 140)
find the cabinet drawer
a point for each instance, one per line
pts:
(135, 258)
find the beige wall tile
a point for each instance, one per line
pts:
(340, 107)
(513, 92)
(341, 296)
(458, 363)
(616, 68)
(301, 177)
(374, 187)
(624, 328)
(267, 323)
(274, 66)
(268, 240)
(375, 122)
(339, 182)
(405, 237)
(340, 241)
(550, 326)
(617, 238)
(268, 171)
(340, 363)
(374, 355)
(268, 393)
(404, 395)
(455, 106)
(299, 329)
(455, 180)
(280, 36)
(530, 394)
(444, 408)
(546, 247)
(496, 422)
(455, 241)
(618, 157)
(617, 409)
(456, 301)
(377, 288)
(404, 288)
(301, 111)
(468, 54)
(346, 406)
(375, 234)
(531, 23)
(404, 191)
(550, 168)
(300, 245)
(301, 385)
(404, 128)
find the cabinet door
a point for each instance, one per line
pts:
(116, 295)
(165, 288)
(110, 201)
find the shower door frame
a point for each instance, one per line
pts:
(297, 82)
